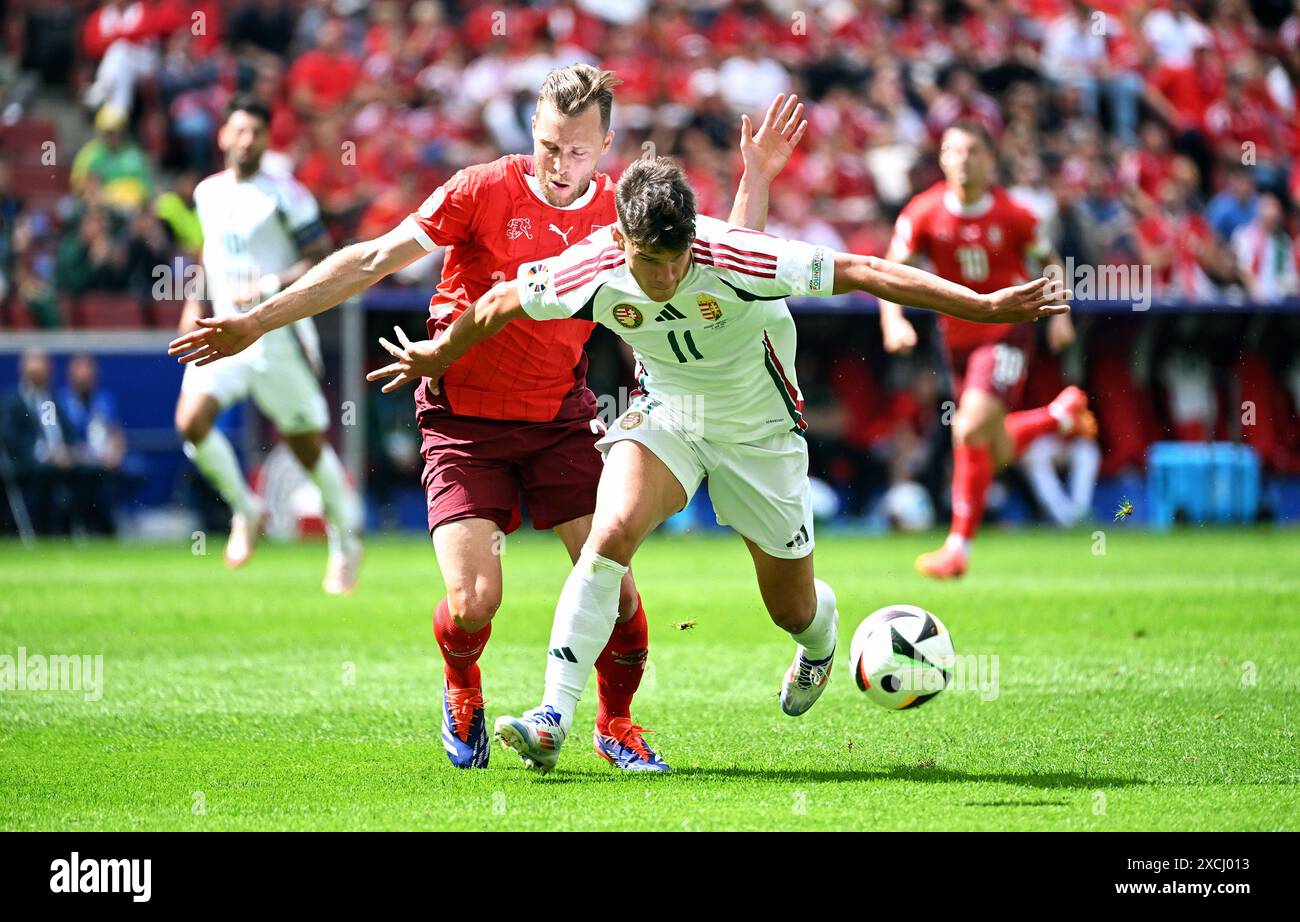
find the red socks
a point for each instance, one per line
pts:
(1027, 425)
(619, 668)
(972, 472)
(460, 649)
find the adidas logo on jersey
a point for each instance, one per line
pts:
(669, 313)
(800, 538)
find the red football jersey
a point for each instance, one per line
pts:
(492, 221)
(982, 246)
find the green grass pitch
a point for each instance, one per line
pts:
(1154, 686)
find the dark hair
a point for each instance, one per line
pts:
(655, 204)
(977, 130)
(250, 104)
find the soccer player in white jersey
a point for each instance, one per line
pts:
(261, 231)
(701, 304)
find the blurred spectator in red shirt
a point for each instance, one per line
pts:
(323, 79)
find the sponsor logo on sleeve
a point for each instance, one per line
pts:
(816, 269)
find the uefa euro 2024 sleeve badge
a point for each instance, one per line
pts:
(537, 277)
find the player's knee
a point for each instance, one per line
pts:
(615, 540)
(192, 427)
(472, 611)
(792, 615)
(307, 449)
(969, 429)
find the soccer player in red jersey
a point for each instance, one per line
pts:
(515, 419)
(974, 233)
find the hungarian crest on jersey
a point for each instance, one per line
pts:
(710, 309)
(628, 316)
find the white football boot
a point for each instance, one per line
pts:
(536, 737)
(804, 682)
(244, 532)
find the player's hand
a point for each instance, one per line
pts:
(899, 335)
(1030, 301)
(766, 152)
(414, 361)
(215, 338)
(1060, 333)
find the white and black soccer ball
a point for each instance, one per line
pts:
(901, 656)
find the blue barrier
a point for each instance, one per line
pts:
(1216, 482)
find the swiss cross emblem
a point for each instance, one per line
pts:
(995, 235)
(519, 227)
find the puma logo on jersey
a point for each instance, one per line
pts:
(669, 313)
(564, 235)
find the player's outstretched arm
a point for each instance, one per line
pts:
(765, 154)
(333, 280)
(431, 358)
(891, 281)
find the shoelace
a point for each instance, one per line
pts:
(546, 716)
(808, 674)
(463, 702)
(631, 738)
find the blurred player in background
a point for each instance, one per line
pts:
(261, 232)
(702, 305)
(515, 420)
(974, 233)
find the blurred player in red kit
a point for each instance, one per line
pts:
(515, 419)
(974, 233)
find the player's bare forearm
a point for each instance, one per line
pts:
(480, 321)
(901, 284)
(336, 278)
(431, 358)
(750, 208)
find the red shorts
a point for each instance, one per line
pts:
(482, 468)
(999, 368)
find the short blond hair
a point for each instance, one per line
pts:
(572, 89)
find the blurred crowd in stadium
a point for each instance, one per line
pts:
(1161, 134)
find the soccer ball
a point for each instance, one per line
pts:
(901, 656)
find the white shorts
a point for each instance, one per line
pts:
(759, 488)
(275, 372)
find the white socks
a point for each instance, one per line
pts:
(216, 461)
(342, 505)
(818, 638)
(584, 621)
(956, 542)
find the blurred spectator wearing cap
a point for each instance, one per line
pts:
(1266, 253)
(123, 169)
